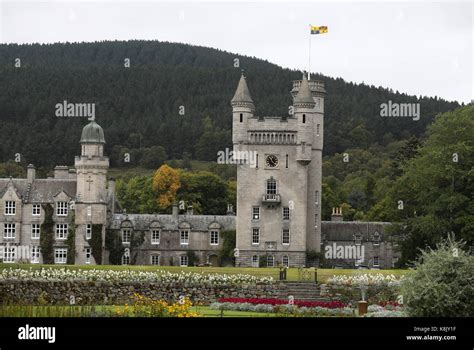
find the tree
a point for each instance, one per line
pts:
(433, 197)
(442, 285)
(206, 191)
(166, 182)
(153, 157)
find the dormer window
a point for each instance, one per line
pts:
(61, 208)
(10, 208)
(358, 239)
(376, 238)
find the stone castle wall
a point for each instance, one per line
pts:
(102, 293)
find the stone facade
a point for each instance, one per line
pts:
(278, 197)
(278, 202)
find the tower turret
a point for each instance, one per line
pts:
(242, 109)
(91, 202)
(303, 111)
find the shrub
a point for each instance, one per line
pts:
(442, 283)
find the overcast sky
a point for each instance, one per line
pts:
(423, 48)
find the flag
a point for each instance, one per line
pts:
(319, 30)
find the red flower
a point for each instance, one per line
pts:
(269, 301)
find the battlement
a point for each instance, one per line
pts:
(316, 86)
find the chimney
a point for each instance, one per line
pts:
(111, 194)
(190, 210)
(175, 211)
(61, 172)
(337, 214)
(72, 174)
(30, 173)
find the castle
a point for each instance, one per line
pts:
(278, 220)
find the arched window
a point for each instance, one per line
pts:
(304, 118)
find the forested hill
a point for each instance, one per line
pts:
(138, 107)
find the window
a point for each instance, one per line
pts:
(88, 231)
(88, 255)
(286, 213)
(9, 254)
(61, 208)
(126, 235)
(183, 260)
(255, 213)
(35, 254)
(255, 261)
(316, 220)
(61, 231)
(316, 197)
(358, 239)
(214, 237)
(241, 117)
(376, 238)
(125, 259)
(271, 186)
(304, 118)
(286, 165)
(270, 261)
(285, 261)
(60, 255)
(184, 237)
(35, 231)
(317, 129)
(376, 261)
(10, 208)
(155, 259)
(285, 239)
(256, 236)
(36, 210)
(155, 237)
(9, 230)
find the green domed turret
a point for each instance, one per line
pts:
(92, 133)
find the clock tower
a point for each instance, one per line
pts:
(279, 192)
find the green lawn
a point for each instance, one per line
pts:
(292, 274)
(109, 311)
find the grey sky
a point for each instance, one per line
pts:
(421, 48)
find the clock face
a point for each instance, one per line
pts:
(271, 161)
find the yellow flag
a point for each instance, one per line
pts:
(319, 30)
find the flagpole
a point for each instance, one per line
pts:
(309, 55)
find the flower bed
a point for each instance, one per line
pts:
(284, 309)
(374, 288)
(273, 302)
(194, 278)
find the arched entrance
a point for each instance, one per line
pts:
(213, 260)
